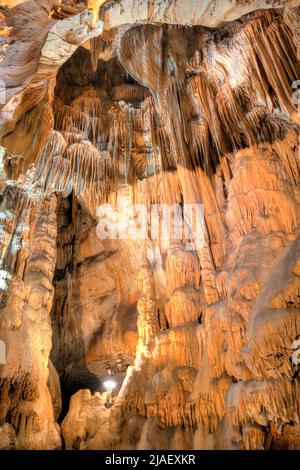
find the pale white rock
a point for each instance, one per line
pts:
(65, 37)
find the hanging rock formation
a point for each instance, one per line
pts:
(105, 104)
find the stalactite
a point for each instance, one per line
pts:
(147, 313)
(25, 398)
(155, 114)
(95, 49)
(102, 133)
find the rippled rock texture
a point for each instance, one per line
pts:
(149, 102)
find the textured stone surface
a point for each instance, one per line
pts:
(149, 102)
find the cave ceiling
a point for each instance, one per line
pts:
(176, 103)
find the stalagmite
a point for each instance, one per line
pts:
(126, 321)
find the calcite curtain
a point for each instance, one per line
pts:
(171, 103)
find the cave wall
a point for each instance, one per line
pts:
(202, 343)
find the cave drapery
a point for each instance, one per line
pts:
(153, 102)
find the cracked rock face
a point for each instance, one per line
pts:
(174, 103)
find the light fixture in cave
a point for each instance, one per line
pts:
(109, 385)
(159, 114)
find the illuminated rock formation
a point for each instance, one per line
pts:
(109, 104)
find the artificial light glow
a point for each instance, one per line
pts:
(109, 385)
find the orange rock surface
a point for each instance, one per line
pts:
(103, 103)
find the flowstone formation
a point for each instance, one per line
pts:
(177, 103)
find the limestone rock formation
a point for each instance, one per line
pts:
(160, 106)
